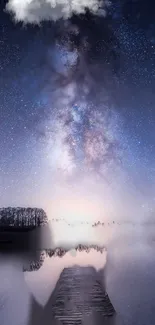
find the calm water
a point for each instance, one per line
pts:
(129, 276)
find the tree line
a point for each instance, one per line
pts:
(22, 217)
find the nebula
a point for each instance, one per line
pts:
(82, 131)
(82, 128)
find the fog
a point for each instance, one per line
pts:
(92, 199)
(128, 272)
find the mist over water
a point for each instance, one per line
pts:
(43, 282)
(15, 300)
(128, 264)
(130, 274)
(128, 270)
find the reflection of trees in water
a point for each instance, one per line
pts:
(33, 258)
(34, 261)
(78, 289)
(60, 252)
(30, 243)
(37, 260)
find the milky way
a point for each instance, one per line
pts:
(77, 109)
(81, 132)
(82, 127)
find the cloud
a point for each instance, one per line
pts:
(35, 11)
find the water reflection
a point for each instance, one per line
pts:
(42, 282)
(129, 275)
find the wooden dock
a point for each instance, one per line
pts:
(80, 298)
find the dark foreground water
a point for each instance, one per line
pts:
(129, 274)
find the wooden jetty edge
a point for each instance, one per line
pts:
(80, 298)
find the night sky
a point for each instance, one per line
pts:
(77, 110)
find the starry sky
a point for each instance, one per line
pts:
(77, 112)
